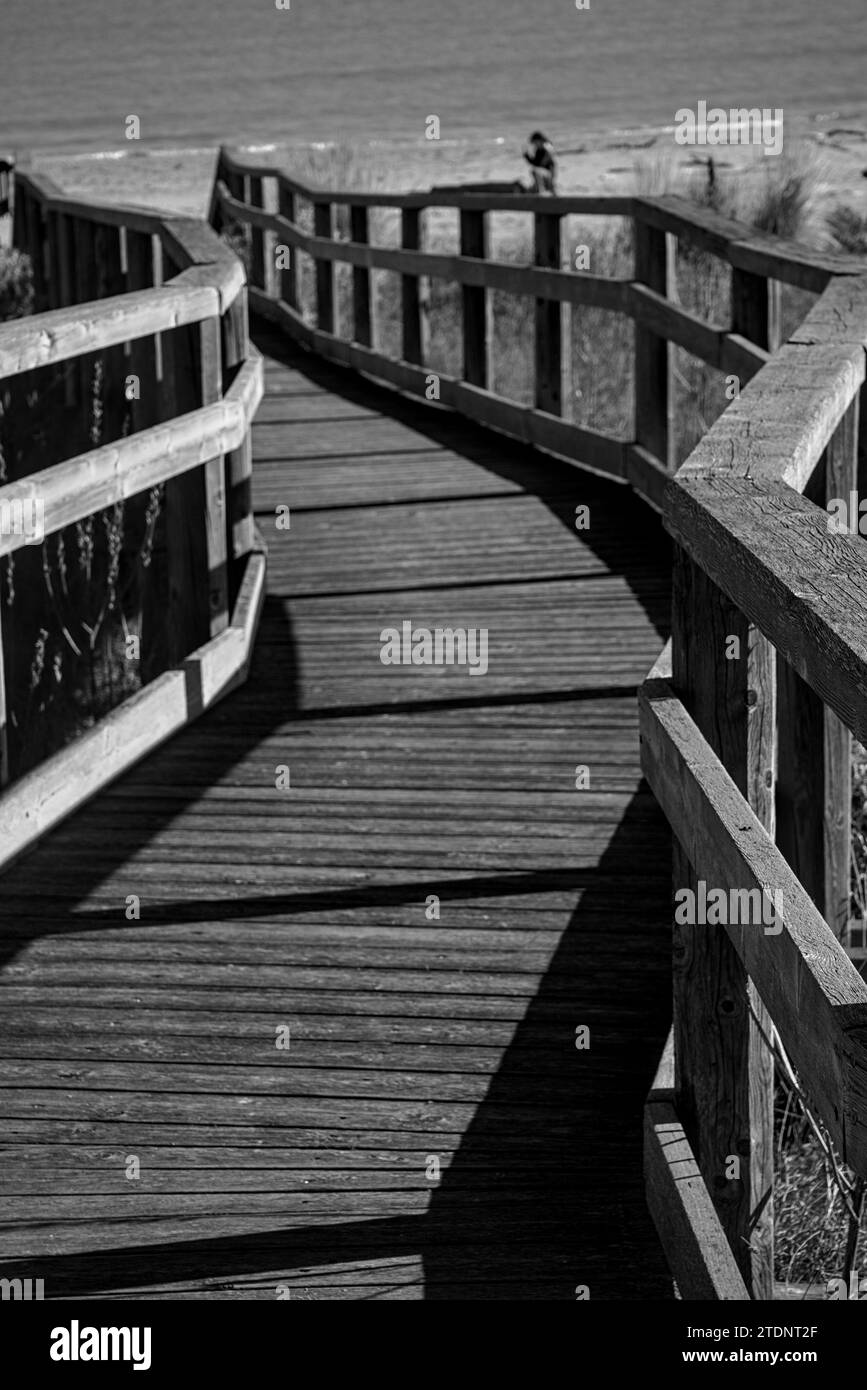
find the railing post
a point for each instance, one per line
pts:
(814, 794)
(814, 747)
(110, 281)
(362, 327)
(239, 463)
(55, 274)
(413, 296)
(236, 186)
(653, 397)
(185, 373)
(755, 308)
(477, 320)
(142, 364)
(289, 274)
(29, 236)
(210, 366)
(142, 351)
(20, 199)
(323, 226)
(84, 275)
(36, 243)
(62, 292)
(724, 672)
(552, 322)
(4, 738)
(257, 237)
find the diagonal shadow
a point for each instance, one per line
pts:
(205, 909)
(544, 1192)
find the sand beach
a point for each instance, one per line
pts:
(179, 179)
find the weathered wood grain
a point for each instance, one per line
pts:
(778, 426)
(61, 334)
(771, 551)
(814, 790)
(83, 485)
(696, 1247)
(799, 972)
(724, 1070)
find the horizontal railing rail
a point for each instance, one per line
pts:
(161, 300)
(746, 717)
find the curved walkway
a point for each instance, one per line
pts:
(417, 1043)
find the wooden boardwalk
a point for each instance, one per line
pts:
(410, 1038)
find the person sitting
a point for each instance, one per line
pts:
(539, 154)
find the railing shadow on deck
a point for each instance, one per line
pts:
(537, 1233)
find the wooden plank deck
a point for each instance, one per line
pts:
(410, 1038)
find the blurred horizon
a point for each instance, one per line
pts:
(202, 71)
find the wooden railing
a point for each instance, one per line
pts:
(746, 743)
(746, 717)
(243, 187)
(163, 301)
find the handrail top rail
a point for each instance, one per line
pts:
(114, 214)
(736, 504)
(612, 204)
(57, 335)
(79, 486)
(232, 159)
(190, 241)
(781, 422)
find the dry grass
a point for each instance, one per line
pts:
(16, 284)
(69, 604)
(848, 229)
(859, 833)
(811, 1219)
